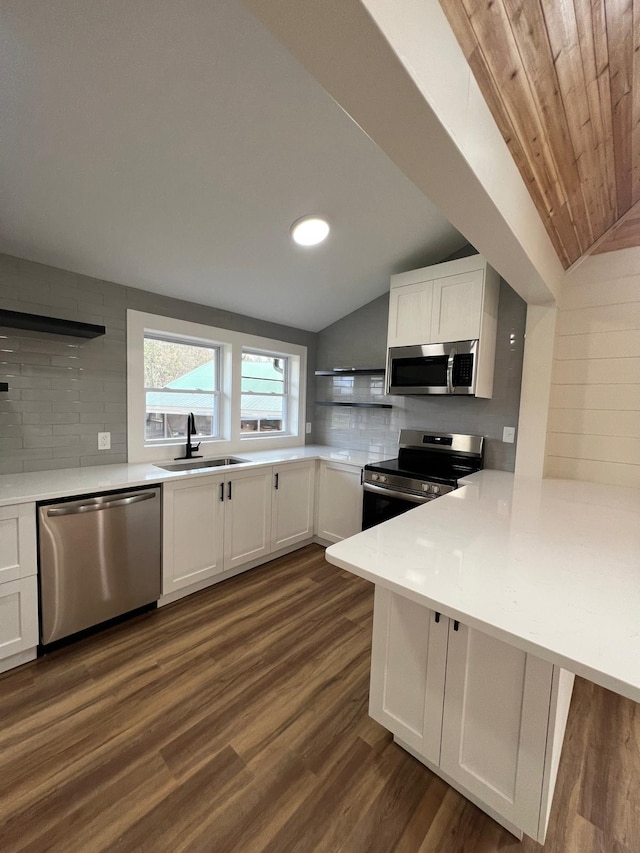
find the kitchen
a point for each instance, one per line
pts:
(41, 283)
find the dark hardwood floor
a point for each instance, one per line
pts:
(236, 720)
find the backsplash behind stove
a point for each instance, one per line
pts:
(359, 340)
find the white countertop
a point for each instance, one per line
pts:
(44, 485)
(550, 566)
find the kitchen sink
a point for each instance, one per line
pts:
(191, 464)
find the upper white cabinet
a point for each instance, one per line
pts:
(483, 713)
(410, 312)
(339, 501)
(292, 506)
(454, 301)
(18, 585)
(457, 307)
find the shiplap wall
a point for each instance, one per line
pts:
(594, 415)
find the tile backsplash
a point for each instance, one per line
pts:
(64, 390)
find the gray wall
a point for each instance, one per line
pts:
(359, 340)
(64, 390)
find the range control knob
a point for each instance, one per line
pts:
(383, 478)
(375, 476)
(435, 490)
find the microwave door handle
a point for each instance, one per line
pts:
(452, 355)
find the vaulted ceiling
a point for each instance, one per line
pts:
(562, 79)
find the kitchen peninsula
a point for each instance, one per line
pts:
(488, 601)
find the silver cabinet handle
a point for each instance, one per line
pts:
(95, 506)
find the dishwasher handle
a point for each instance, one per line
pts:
(98, 505)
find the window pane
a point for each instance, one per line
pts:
(179, 378)
(264, 387)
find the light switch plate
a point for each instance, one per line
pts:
(509, 434)
(104, 441)
(308, 428)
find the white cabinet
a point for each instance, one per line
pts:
(339, 501)
(193, 531)
(482, 713)
(292, 508)
(457, 307)
(218, 524)
(18, 585)
(410, 310)
(453, 301)
(247, 519)
(18, 620)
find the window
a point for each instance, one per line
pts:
(264, 391)
(245, 391)
(180, 377)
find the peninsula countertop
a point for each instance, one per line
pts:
(550, 566)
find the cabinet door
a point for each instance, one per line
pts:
(292, 504)
(17, 542)
(247, 517)
(193, 530)
(408, 661)
(410, 314)
(494, 725)
(457, 307)
(339, 501)
(18, 616)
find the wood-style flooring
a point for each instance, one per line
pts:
(236, 720)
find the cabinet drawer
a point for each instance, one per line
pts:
(17, 542)
(18, 616)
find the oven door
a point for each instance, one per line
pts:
(380, 504)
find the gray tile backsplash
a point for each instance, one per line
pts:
(359, 340)
(64, 390)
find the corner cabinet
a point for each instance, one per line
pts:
(217, 525)
(339, 501)
(453, 301)
(18, 585)
(485, 716)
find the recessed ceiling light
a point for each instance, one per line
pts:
(310, 230)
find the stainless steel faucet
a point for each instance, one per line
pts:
(189, 448)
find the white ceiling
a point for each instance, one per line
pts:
(170, 145)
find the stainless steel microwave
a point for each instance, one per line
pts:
(448, 368)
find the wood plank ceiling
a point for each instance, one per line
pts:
(562, 79)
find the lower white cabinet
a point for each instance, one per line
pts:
(339, 501)
(18, 584)
(482, 713)
(193, 531)
(247, 516)
(215, 524)
(18, 617)
(292, 508)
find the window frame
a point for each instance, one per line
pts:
(231, 344)
(216, 392)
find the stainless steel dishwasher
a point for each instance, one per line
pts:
(99, 558)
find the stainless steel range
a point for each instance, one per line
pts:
(428, 465)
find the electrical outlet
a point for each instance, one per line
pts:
(308, 428)
(509, 434)
(104, 441)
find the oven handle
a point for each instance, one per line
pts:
(392, 493)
